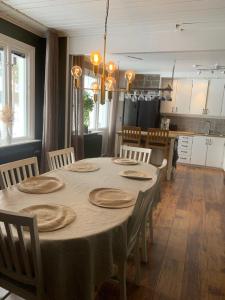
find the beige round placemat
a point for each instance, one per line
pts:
(135, 174)
(111, 198)
(40, 185)
(82, 167)
(51, 217)
(125, 161)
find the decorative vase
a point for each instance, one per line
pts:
(8, 134)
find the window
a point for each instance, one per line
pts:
(17, 88)
(98, 117)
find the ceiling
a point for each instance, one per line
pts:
(163, 62)
(85, 17)
(141, 28)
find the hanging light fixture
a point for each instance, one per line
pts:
(105, 71)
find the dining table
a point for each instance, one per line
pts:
(81, 255)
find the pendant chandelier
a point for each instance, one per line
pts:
(106, 73)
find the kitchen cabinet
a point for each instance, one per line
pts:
(183, 96)
(199, 96)
(215, 97)
(208, 151)
(169, 106)
(215, 152)
(184, 149)
(199, 149)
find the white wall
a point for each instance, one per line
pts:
(153, 42)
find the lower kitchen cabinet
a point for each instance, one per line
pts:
(199, 150)
(215, 152)
(208, 151)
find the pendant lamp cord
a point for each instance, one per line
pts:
(105, 35)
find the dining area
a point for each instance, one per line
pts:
(64, 233)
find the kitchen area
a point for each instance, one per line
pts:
(195, 116)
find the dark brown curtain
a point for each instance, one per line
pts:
(76, 125)
(51, 98)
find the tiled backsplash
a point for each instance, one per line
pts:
(198, 125)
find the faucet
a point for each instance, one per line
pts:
(208, 127)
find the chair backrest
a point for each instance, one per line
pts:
(131, 135)
(60, 158)
(14, 172)
(137, 153)
(20, 258)
(141, 208)
(157, 136)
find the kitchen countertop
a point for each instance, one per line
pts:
(174, 134)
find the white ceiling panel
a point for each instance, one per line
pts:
(85, 17)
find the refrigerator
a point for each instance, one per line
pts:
(145, 114)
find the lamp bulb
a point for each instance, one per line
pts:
(130, 75)
(110, 83)
(111, 67)
(95, 58)
(76, 71)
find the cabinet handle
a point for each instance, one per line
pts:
(176, 109)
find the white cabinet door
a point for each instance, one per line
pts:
(199, 149)
(199, 95)
(169, 106)
(215, 97)
(183, 96)
(215, 152)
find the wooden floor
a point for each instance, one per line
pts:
(188, 255)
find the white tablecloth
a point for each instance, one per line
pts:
(81, 255)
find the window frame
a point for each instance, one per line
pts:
(96, 108)
(10, 44)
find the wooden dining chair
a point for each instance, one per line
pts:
(131, 136)
(159, 139)
(14, 172)
(60, 158)
(147, 229)
(20, 257)
(141, 208)
(136, 153)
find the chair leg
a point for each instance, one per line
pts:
(137, 264)
(144, 238)
(151, 227)
(122, 277)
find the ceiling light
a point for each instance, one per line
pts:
(105, 71)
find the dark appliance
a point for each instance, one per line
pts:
(144, 114)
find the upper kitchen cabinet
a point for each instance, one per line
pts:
(199, 96)
(169, 106)
(183, 96)
(215, 97)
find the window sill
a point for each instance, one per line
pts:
(16, 143)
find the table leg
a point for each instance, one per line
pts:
(170, 160)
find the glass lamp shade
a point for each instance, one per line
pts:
(111, 67)
(95, 58)
(110, 83)
(76, 71)
(95, 88)
(130, 75)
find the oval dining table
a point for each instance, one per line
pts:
(81, 255)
